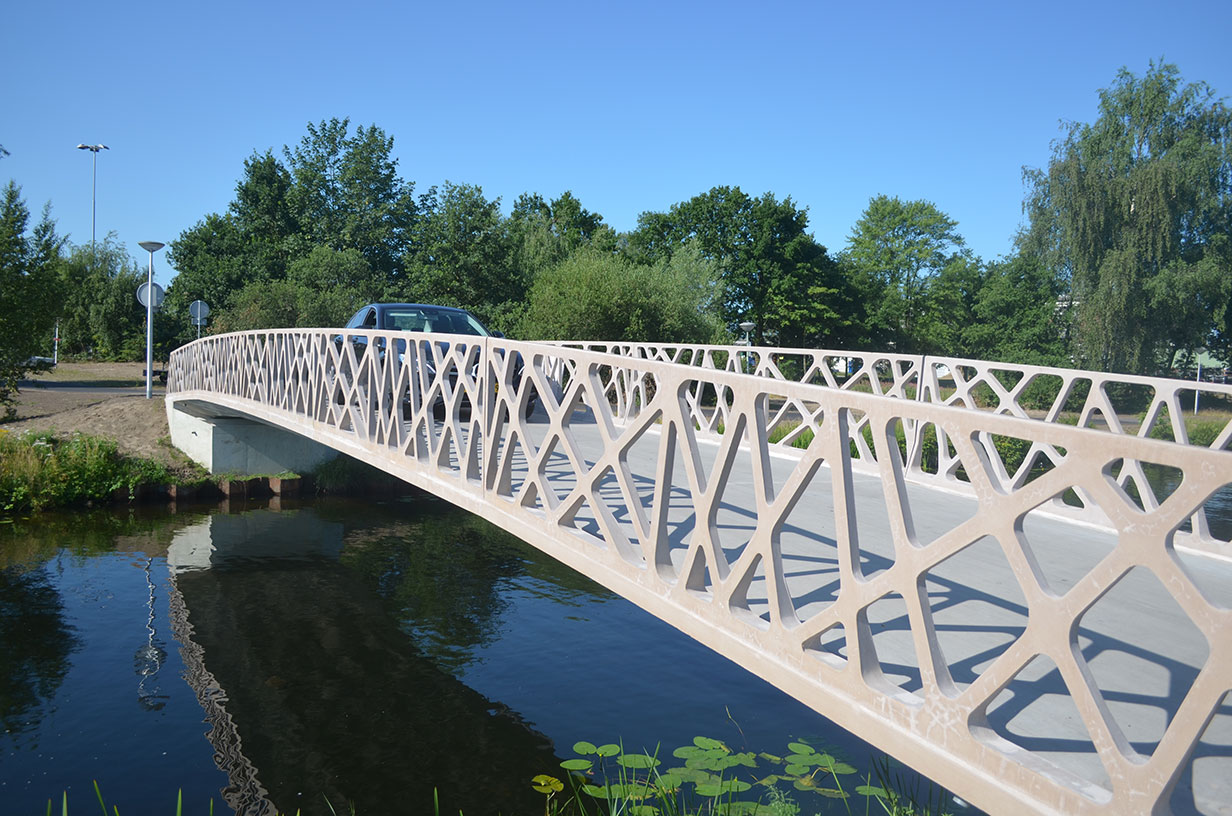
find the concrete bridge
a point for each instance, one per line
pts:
(983, 569)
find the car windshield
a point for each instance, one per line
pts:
(442, 321)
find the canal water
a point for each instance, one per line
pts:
(316, 655)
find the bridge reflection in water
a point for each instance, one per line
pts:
(1004, 600)
(288, 650)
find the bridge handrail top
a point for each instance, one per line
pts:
(830, 399)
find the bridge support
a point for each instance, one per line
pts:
(237, 444)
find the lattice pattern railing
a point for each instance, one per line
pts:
(1149, 407)
(1026, 662)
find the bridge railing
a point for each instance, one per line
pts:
(1121, 404)
(829, 571)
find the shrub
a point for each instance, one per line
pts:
(41, 470)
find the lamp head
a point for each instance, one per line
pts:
(151, 246)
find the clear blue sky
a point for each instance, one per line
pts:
(633, 106)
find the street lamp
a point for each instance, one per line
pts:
(746, 327)
(93, 210)
(1198, 352)
(94, 189)
(150, 247)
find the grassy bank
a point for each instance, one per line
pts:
(41, 470)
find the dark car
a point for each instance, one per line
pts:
(428, 318)
(418, 317)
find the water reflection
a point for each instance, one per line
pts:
(327, 697)
(148, 660)
(35, 643)
(356, 651)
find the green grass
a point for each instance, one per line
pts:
(40, 470)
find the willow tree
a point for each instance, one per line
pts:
(1134, 215)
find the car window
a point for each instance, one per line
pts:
(369, 320)
(428, 319)
(404, 320)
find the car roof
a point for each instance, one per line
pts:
(416, 306)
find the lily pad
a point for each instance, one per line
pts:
(638, 761)
(543, 783)
(727, 786)
(830, 793)
(584, 747)
(577, 764)
(694, 775)
(746, 758)
(611, 749)
(801, 748)
(709, 744)
(669, 781)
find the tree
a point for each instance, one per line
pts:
(597, 295)
(542, 233)
(1134, 214)
(347, 193)
(331, 285)
(29, 290)
(462, 256)
(100, 315)
(1015, 317)
(338, 191)
(773, 272)
(896, 250)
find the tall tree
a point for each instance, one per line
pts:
(1015, 316)
(1134, 212)
(100, 315)
(543, 233)
(462, 256)
(896, 250)
(773, 272)
(347, 193)
(29, 291)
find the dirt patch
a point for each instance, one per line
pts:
(138, 425)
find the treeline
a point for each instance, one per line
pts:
(1124, 263)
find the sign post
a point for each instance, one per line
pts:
(150, 247)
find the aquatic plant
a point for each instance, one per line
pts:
(715, 780)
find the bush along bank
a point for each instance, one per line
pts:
(41, 471)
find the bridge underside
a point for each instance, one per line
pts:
(1027, 659)
(229, 441)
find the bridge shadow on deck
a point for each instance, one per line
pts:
(978, 611)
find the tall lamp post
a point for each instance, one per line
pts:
(94, 148)
(94, 187)
(150, 247)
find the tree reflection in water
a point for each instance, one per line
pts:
(35, 643)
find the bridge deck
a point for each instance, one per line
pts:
(1141, 647)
